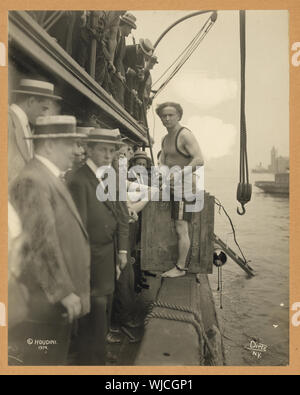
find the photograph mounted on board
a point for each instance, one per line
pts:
(148, 188)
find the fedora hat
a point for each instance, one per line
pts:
(36, 88)
(129, 19)
(56, 126)
(111, 136)
(146, 46)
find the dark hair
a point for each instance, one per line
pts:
(177, 107)
(91, 144)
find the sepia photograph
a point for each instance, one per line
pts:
(148, 188)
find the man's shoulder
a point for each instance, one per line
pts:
(82, 172)
(30, 179)
(80, 176)
(13, 120)
(185, 131)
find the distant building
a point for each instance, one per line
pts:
(279, 164)
(283, 165)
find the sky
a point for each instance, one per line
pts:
(208, 86)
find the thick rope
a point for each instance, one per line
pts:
(196, 320)
(179, 318)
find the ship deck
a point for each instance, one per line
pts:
(173, 337)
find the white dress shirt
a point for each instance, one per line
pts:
(25, 125)
(92, 166)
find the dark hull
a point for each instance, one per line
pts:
(273, 187)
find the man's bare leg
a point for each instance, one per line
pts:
(182, 230)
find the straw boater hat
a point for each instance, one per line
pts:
(129, 19)
(56, 127)
(146, 46)
(111, 136)
(84, 130)
(37, 88)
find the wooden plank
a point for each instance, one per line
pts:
(248, 269)
(203, 235)
(208, 263)
(160, 243)
(159, 239)
(205, 302)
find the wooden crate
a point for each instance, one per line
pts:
(159, 239)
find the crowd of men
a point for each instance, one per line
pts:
(97, 41)
(72, 280)
(72, 284)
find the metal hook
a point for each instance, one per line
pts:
(243, 210)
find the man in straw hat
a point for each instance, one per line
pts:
(127, 23)
(32, 99)
(108, 231)
(56, 255)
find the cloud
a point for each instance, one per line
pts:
(205, 92)
(215, 137)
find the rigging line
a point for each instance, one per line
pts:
(188, 51)
(178, 68)
(178, 57)
(181, 54)
(219, 204)
(183, 61)
(153, 115)
(185, 57)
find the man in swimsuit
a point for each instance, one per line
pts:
(179, 148)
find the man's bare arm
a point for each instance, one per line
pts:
(191, 146)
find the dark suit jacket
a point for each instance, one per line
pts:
(107, 226)
(132, 58)
(57, 253)
(120, 54)
(18, 153)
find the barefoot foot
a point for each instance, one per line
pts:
(173, 273)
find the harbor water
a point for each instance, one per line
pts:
(255, 316)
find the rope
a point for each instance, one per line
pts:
(181, 54)
(244, 188)
(196, 321)
(219, 204)
(180, 318)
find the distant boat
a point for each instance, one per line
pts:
(279, 187)
(260, 169)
